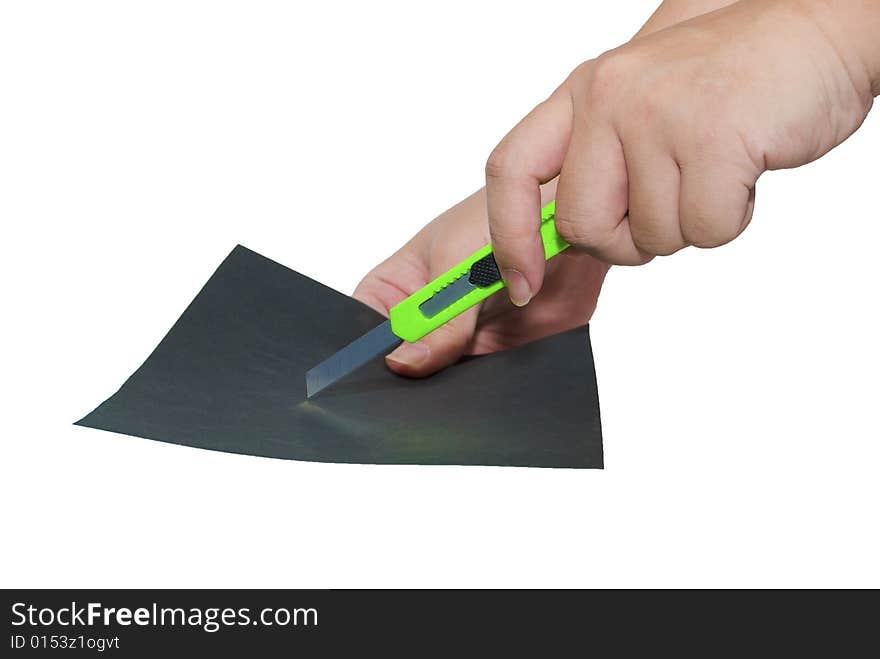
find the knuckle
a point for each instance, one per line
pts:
(705, 145)
(587, 222)
(512, 245)
(706, 229)
(573, 229)
(505, 235)
(607, 74)
(498, 163)
(651, 236)
(714, 209)
(581, 72)
(452, 335)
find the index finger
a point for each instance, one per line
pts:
(529, 155)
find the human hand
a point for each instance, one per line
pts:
(658, 144)
(568, 299)
(570, 291)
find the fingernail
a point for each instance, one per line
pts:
(410, 354)
(517, 287)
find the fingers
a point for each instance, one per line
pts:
(591, 199)
(531, 154)
(653, 214)
(437, 350)
(627, 200)
(716, 203)
(644, 172)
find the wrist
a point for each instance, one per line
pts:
(852, 28)
(671, 12)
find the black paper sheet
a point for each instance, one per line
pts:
(230, 376)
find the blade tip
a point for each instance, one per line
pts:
(313, 384)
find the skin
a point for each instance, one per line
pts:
(569, 297)
(571, 282)
(658, 144)
(652, 147)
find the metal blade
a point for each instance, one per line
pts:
(377, 341)
(446, 296)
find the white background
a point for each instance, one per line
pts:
(139, 142)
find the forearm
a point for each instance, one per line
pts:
(671, 12)
(853, 28)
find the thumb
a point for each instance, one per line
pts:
(437, 350)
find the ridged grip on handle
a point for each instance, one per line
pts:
(409, 323)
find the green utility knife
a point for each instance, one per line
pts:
(455, 291)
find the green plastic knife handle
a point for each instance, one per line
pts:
(410, 324)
